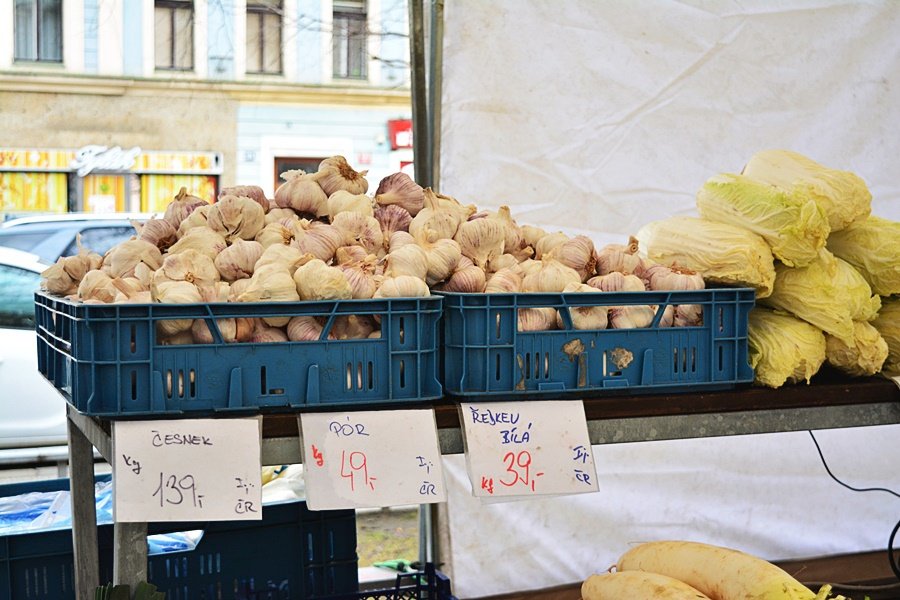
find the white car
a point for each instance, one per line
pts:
(32, 412)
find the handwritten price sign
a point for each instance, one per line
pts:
(371, 459)
(184, 470)
(528, 448)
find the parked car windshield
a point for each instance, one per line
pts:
(17, 288)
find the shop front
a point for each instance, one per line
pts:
(102, 179)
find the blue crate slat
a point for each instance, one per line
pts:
(108, 362)
(292, 553)
(485, 355)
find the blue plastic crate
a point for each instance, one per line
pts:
(485, 355)
(107, 360)
(293, 553)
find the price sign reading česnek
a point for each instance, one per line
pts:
(187, 470)
(371, 459)
(521, 449)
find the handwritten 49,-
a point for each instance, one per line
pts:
(354, 468)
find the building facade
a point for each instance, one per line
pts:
(116, 104)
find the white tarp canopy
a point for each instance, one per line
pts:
(598, 117)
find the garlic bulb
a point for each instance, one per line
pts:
(504, 281)
(400, 238)
(536, 319)
(392, 218)
(584, 317)
(400, 190)
(688, 315)
(236, 217)
(407, 260)
(237, 260)
(616, 257)
(481, 240)
(335, 174)
(359, 229)
(203, 240)
(202, 334)
(144, 274)
(254, 192)
(504, 261)
(631, 317)
(121, 259)
(529, 266)
(515, 241)
(468, 280)
(577, 253)
(142, 297)
(301, 193)
(321, 241)
(673, 278)
(617, 282)
(278, 215)
(270, 283)
(237, 288)
(286, 257)
(353, 327)
(305, 329)
(668, 317)
(553, 277)
(175, 292)
(317, 281)
(532, 235)
(273, 234)
(443, 256)
(440, 218)
(181, 207)
(63, 277)
(197, 218)
(218, 291)
(343, 201)
(159, 232)
(547, 243)
(189, 266)
(360, 276)
(402, 286)
(265, 334)
(350, 254)
(97, 285)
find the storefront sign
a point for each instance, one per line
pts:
(401, 133)
(103, 158)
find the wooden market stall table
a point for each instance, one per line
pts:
(831, 401)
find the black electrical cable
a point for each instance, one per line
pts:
(895, 563)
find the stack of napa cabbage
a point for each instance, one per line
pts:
(801, 234)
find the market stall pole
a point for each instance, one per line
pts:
(829, 404)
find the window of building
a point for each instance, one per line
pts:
(264, 36)
(174, 35)
(349, 39)
(38, 30)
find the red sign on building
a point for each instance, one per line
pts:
(400, 133)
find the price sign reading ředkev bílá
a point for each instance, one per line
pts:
(371, 459)
(528, 448)
(187, 470)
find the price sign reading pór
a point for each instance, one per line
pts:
(521, 449)
(187, 470)
(371, 459)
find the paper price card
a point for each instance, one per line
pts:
(371, 459)
(187, 470)
(528, 448)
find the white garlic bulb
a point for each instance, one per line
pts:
(182, 206)
(97, 285)
(238, 260)
(504, 281)
(254, 192)
(403, 286)
(532, 235)
(196, 218)
(317, 281)
(392, 218)
(617, 257)
(121, 260)
(287, 257)
(359, 229)
(301, 193)
(631, 317)
(584, 317)
(336, 174)
(481, 240)
(275, 233)
(203, 240)
(407, 260)
(276, 215)
(175, 292)
(236, 217)
(536, 319)
(320, 241)
(190, 266)
(577, 253)
(270, 283)
(350, 254)
(443, 256)
(400, 238)
(360, 276)
(305, 329)
(547, 243)
(400, 190)
(440, 218)
(467, 280)
(343, 201)
(158, 232)
(552, 277)
(353, 327)
(202, 334)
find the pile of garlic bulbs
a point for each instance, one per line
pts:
(323, 238)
